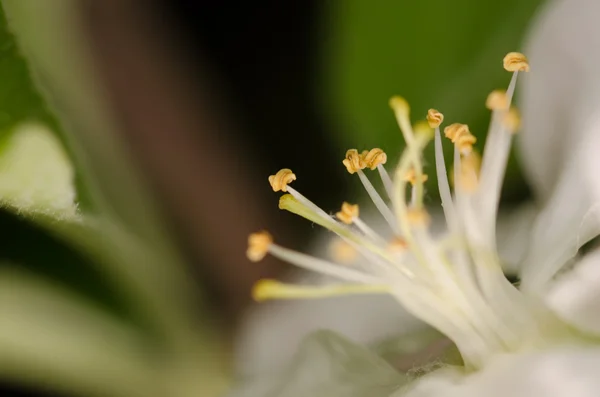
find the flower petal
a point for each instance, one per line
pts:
(328, 365)
(575, 297)
(571, 372)
(559, 91)
(275, 330)
(571, 216)
(512, 235)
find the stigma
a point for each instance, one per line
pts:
(455, 281)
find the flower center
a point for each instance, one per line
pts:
(453, 282)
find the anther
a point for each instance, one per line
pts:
(281, 179)
(434, 118)
(348, 213)
(418, 217)
(516, 62)
(373, 158)
(258, 245)
(460, 135)
(497, 100)
(397, 245)
(342, 252)
(353, 161)
(411, 177)
(512, 120)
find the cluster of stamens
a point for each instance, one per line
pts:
(454, 283)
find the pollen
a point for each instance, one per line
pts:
(516, 62)
(460, 135)
(373, 158)
(281, 179)
(512, 120)
(353, 161)
(348, 213)
(434, 118)
(342, 252)
(470, 166)
(497, 100)
(411, 177)
(258, 245)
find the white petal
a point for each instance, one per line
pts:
(327, 365)
(513, 230)
(559, 90)
(274, 331)
(557, 373)
(571, 216)
(575, 296)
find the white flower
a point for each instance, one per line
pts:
(540, 339)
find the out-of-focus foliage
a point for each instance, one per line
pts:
(436, 53)
(97, 304)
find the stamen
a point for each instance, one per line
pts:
(443, 185)
(378, 201)
(354, 161)
(512, 120)
(387, 181)
(348, 213)
(418, 217)
(258, 245)
(402, 112)
(374, 157)
(341, 251)
(411, 177)
(434, 118)
(398, 245)
(272, 289)
(281, 179)
(516, 62)
(497, 100)
(460, 135)
(469, 172)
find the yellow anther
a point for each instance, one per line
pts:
(399, 104)
(418, 217)
(411, 177)
(434, 118)
(373, 158)
(515, 61)
(281, 179)
(512, 120)
(342, 252)
(422, 128)
(470, 165)
(258, 245)
(460, 135)
(497, 100)
(348, 213)
(353, 161)
(397, 245)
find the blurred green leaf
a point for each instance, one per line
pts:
(36, 176)
(137, 273)
(436, 53)
(59, 341)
